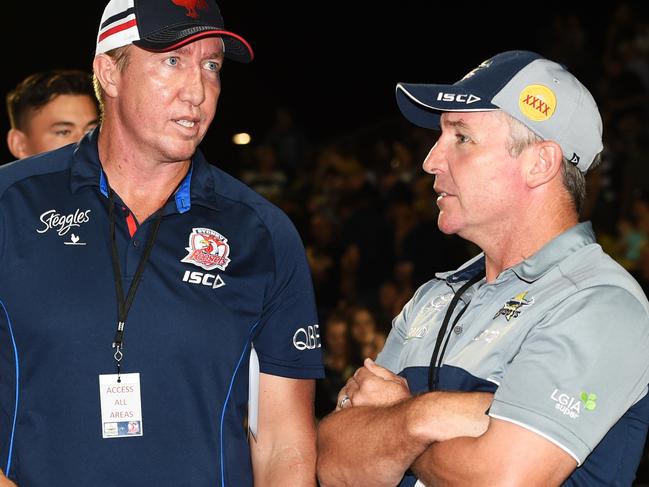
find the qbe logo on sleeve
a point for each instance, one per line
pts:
(307, 338)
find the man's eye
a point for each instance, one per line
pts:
(212, 66)
(172, 61)
(462, 139)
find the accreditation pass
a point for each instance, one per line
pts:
(121, 405)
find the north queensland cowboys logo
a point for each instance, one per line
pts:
(207, 249)
(512, 308)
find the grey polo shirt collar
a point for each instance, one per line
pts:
(534, 266)
(554, 252)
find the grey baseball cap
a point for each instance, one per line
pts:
(538, 92)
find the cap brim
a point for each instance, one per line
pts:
(236, 47)
(422, 104)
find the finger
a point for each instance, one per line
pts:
(364, 376)
(352, 387)
(344, 402)
(339, 399)
(376, 369)
(361, 373)
(347, 390)
(350, 381)
(344, 398)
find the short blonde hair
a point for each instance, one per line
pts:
(120, 56)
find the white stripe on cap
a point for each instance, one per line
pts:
(118, 27)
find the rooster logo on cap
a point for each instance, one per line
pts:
(191, 6)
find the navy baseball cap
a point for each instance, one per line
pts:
(164, 25)
(538, 92)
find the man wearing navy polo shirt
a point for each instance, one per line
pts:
(151, 306)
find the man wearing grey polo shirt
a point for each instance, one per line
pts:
(529, 364)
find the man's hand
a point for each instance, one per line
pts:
(373, 385)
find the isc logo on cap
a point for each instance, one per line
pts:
(537, 102)
(468, 99)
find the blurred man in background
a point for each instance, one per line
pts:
(50, 109)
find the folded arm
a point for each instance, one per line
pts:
(505, 455)
(374, 444)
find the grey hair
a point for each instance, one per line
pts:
(574, 181)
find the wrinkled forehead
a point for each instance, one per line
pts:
(472, 119)
(209, 47)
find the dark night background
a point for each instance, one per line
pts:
(335, 64)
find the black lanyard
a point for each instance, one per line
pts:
(435, 360)
(124, 305)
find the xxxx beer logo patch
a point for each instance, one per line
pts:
(207, 249)
(537, 102)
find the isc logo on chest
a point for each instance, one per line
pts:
(203, 278)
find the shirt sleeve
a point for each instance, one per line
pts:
(390, 355)
(579, 370)
(288, 343)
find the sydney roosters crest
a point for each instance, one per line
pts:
(191, 6)
(207, 249)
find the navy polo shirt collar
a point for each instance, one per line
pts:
(197, 187)
(455, 279)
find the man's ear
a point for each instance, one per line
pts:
(547, 161)
(107, 73)
(18, 143)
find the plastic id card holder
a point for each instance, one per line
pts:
(121, 405)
